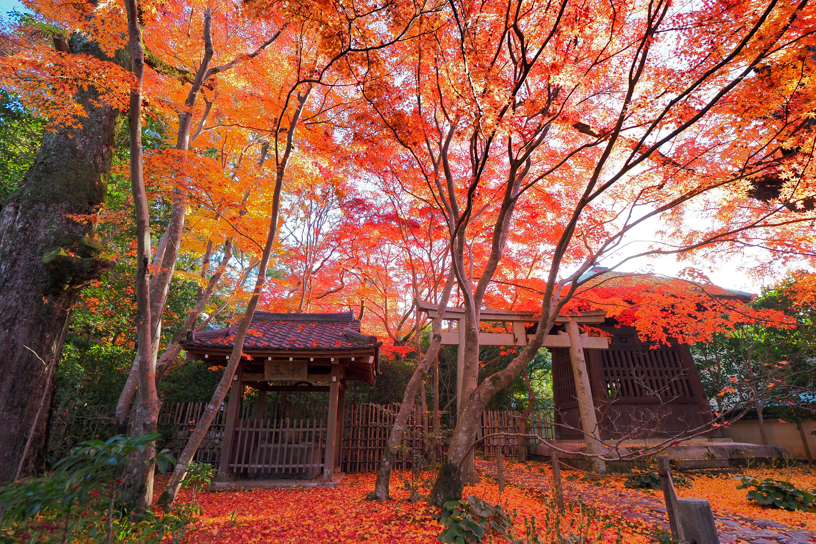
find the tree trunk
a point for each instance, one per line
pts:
(803, 436)
(449, 481)
(146, 414)
(45, 260)
(395, 437)
(525, 416)
(761, 421)
(168, 497)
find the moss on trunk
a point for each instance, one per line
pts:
(448, 486)
(46, 257)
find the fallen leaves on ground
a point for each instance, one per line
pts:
(343, 515)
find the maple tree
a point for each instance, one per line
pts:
(334, 155)
(596, 118)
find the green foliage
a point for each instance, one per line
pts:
(84, 496)
(20, 135)
(199, 476)
(586, 525)
(89, 380)
(469, 520)
(395, 372)
(776, 366)
(651, 480)
(192, 381)
(778, 494)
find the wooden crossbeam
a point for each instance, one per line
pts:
(455, 314)
(313, 378)
(508, 340)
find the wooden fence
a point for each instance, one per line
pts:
(265, 448)
(506, 423)
(366, 431)
(269, 445)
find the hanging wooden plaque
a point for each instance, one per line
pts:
(286, 371)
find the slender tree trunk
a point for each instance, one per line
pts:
(761, 421)
(204, 422)
(449, 482)
(173, 349)
(525, 416)
(45, 260)
(170, 243)
(437, 424)
(147, 411)
(805, 445)
(395, 436)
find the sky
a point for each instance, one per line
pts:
(9, 5)
(728, 274)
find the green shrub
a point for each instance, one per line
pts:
(651, 480)
(469, 520)
(84, 499)
(778, 494)
(199, 476)
(588, 526)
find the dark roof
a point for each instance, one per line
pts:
(603, 274)
(291, 332)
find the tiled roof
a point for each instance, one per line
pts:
(611, 278)
(291, 332)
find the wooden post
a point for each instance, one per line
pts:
(341, 416)
(669, 493)
(331, 431)
(695, 522)
(437, 425)
(260, 404)
(500, 468)
(559, 491)
(233, 413)
(583, 390)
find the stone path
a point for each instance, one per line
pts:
(650, 510)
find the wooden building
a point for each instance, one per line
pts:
(295, 353)
(639, 390)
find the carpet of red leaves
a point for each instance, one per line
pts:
(313, 515)
(343, 515)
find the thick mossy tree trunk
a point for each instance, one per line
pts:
(46, 257)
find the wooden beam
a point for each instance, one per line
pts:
(305, 388)
(519, 333)
(260, 405)
(199, 352)
(312, 378)
(341, 414)
(508, 340)
(594, 316)
(486, 315)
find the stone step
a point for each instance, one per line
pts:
(697, 464)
